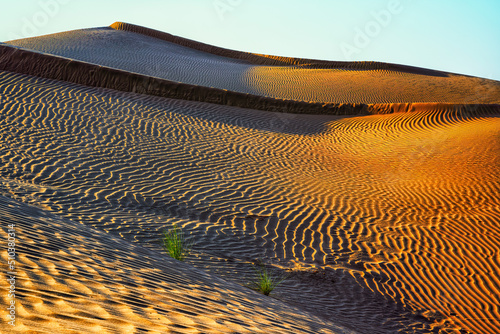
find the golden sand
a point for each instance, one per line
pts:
(75, 279)
(119, 47)
(395, 209)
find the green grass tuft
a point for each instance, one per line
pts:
(266, 280)
(175, 243)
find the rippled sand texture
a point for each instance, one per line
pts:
(402, 207)
(76, 279)
(407, 203)
(311, 81)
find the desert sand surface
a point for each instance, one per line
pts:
(76, 279)
(120, 47)
(386, 220)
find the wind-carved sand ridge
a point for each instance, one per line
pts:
(389, 219)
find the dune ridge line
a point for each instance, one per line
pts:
(261, 59)
(20, 60)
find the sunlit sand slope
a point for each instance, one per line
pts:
(152, 53)
(406, 204)
(75, 279)
(19, 60)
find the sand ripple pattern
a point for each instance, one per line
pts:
(406, 204)
(368, 86)
(74, 279)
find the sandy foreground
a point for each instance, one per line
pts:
(379, 194)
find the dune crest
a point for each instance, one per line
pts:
(161, 64)
(261, 59)
(60, 68)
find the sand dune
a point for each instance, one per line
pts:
(139, 50)
(25, 61)
(75, 279)
(388, 221)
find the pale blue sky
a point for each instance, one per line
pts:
(460, 36)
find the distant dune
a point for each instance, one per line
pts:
(138, 50)
(374, 185)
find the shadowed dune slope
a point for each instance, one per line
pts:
(75, 279)
(152, 53)
(404, 204)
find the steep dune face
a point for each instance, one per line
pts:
(389, 220)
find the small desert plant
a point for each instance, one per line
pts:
(176, 244)
(266, 280)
